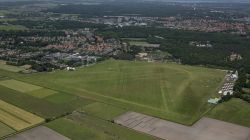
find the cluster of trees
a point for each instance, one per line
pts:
(40, 67)
(241, 83)
(152, 9)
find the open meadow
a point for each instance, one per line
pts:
(175, 92)
(234, 111)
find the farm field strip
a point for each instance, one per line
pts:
(17, 118)
(5, 130)
(19, 86)
(13, 121)
(27, 88)
(42, 93)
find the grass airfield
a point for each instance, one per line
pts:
(170, 91)
(95, 95)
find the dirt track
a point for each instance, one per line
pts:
(39, 133)
(204, 129)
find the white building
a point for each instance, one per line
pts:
(70, 69)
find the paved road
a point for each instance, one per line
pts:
(204, 129)
(39, 133)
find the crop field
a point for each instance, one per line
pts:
(175, 92)
(42, 93)
(10, 68)
(234, 111)
(29, 89)
(19, 86)
(17, 118)
(5, 130)
(45, 107)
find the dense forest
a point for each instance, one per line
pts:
(136, 8)
(176, 42)
(152, 9)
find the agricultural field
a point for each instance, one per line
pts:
(30, 89)
(175, 92)
(5, 130)
(42, 93)
(10, 68)
(91, 128)
(44, 107)
(19, 86)
(17, 118)
(234, 111)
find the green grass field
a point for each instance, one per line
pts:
(42, 93)
(10, 68)
(5, 130)
(103, 111)
(91, 128)
(138, 43)
(234, 111)
(19, 86)
(12, 27)
(175, 92)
